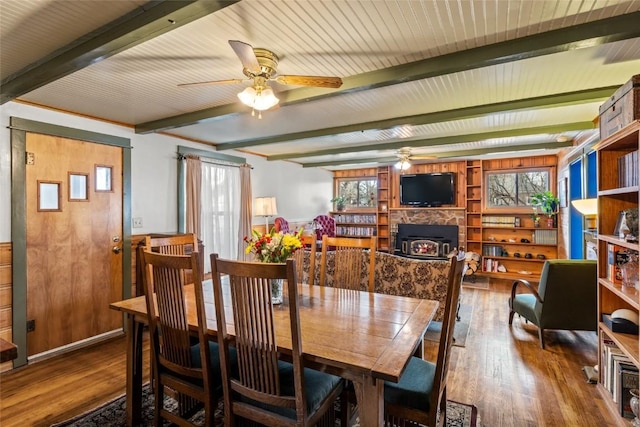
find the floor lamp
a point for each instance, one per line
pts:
(266, 207)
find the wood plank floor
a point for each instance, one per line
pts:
(501, 370)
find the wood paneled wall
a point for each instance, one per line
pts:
(459, 168)
(6, 289)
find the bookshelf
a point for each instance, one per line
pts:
(355, 224)
(615, 195)
(474, 206)
(383, 232)
(512, 241)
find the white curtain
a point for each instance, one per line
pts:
(220, 211)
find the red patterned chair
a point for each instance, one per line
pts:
(326, 225)
(281, 224)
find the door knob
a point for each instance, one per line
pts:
(116, 249)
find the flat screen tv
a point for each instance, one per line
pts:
(427, 189)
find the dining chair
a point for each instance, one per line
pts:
(348, 256)
(191, 370)
(420, 397)
(308, 248)
(181, 244)
(267, 390)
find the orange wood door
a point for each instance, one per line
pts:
(73, 272)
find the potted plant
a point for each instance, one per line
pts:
(536, 217)
(340, 202)
(548, 204)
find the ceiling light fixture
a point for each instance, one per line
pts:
(259, 97)
(403, 164)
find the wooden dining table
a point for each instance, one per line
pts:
(365, 337)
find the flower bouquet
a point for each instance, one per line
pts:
(273, 247)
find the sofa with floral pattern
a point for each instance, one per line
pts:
(395, 275)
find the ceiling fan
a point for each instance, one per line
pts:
(405, 157)
(260, 66)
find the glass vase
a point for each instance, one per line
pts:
(277, 286)
(635, 405)
(629, 271)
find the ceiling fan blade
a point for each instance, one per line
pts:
(419, 157)
(247, 55)
(213, 82)
(317, 81)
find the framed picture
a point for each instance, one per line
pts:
(562, 192)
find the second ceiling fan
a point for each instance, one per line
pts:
(260, 66)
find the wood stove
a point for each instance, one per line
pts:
(426, 240)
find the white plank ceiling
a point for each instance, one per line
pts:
(415, 72)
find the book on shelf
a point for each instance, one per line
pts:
(628, 380)
(490, 265)
(608, 348)
(617, 359)
(628, 169)
(499, 221)
(616, 257)
(545, 237)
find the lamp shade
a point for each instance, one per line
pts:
(265, 206)
(586, 206)
(403, 164)
(258, 99)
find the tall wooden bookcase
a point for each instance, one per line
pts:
(507, 237)
(612, 199)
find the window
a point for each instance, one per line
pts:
(359, 193)
(220, 210)
(510, 189)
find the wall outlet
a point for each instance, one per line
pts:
(137, 222)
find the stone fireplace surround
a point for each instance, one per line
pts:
(428, 216)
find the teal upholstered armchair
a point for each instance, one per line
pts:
(565, 299)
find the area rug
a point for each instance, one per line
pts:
(113, 414)
(460, 331)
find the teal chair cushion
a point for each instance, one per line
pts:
(415, 386)
(214, 356)
(524, 304)
(318, 385)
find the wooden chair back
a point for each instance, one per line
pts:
(182, 244)
(308, 246)
(348, 256)
(255, 340)
(456, 274)
(438, 397)
(170, 336)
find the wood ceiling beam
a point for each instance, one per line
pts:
(548, 101)
(445, 140)
(142, 24)
(580, 36)
(451, 154)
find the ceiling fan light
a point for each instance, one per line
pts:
(248, 96)
(403, 164)
(265, 100)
